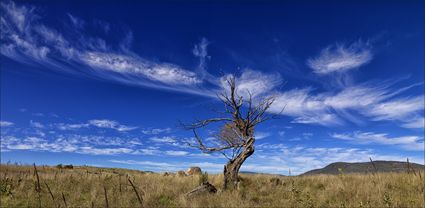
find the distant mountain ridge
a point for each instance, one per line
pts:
(366, 167)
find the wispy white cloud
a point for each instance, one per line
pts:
(16, 23)
(6, 123)
(261, 135)
(77, 22)
(27, 143)
(106, 27)
(377, 102)
(170, 141)
(303, 136)
(200, 51)
(109, 124)
(374, 100)
(137, 67)
(406, 142)
(148, 151)
(397, 109)
(57, 41)
(104, 151)
(341, 58)
(36, 124)
(18, 15)
(165, 139)
(176, 153)
(91, 144)
(307, 134)
(26, 39)
(304, 107)
(254, 82)
(360, 95)
(156, 131)
(65, 126)
(415, 123)
(97, 145)
(281, 133)
(99, 123)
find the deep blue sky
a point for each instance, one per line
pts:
(105, 82)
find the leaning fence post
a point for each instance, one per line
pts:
(37, 187)
(137, 193)
(373, 164)
(106, 198)
(64, 200)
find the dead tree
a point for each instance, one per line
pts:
(236, 138)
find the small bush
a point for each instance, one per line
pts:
(203, 178)
(387, 199)
(68, 166)
(6, 187)
(59, 166)
(165, 200)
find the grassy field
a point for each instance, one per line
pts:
(101, 187)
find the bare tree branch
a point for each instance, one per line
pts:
(205, 149)
(203, 123)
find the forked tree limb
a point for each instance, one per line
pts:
(205, 149)
(202, 123)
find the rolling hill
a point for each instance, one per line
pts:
(366, 167)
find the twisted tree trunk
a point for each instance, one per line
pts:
(231, 169)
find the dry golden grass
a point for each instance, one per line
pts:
(85, 187)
